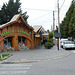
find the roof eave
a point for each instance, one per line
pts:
(8, 24)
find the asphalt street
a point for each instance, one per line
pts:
(62, 66)
(36, 55)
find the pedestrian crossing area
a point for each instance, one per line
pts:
(14, 69)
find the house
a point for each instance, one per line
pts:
(38, 37)
(17, 32)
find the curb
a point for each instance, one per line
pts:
(6, 57)
(55, 58)
(30, 61)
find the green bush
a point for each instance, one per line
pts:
(50, 35)
(50, 40)
(48, 45)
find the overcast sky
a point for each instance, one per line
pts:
(43, 16)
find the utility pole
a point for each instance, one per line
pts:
(51, 28)
(53, 22)
(58, 25)
(58, 17)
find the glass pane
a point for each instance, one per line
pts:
(5, 43)
(9, 42)
(23, 39)
(19, 39)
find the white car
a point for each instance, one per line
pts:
(68, 45)
(62, 41)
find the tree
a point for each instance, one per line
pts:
(49, 42)
(9, 9)
(67, 25)
(25, 16)
(56, 31)
(50, 35)
(72, 26)
(3, 17)
(72, 22)
(48, 31)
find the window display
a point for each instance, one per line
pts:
(8, 42)
(21, 41)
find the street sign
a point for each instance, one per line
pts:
(56, 35)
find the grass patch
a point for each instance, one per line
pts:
(5, 55)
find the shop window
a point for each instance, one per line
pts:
(8, 42)
(5, 43)
(21, 41)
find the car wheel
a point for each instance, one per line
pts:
(65, 48)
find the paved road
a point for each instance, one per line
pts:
(14, 69)
(36, 55)
(64, 66)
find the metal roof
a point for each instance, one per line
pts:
(36, 27)
(12, 20)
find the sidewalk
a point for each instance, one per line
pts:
(38, 54)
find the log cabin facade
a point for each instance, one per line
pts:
(16, 33)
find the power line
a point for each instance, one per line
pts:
(60, 8)
(40, 16)
(62, 5)
(38, 9)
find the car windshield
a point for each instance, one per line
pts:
(68, 42)
(64, 40)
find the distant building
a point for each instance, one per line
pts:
(39, 29)
(46, 35)
(38, 37)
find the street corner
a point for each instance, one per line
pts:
(41, 60)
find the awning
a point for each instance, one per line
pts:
(37, 35)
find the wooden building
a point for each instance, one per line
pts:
(46, 35)
(16, 33)
(39, 30)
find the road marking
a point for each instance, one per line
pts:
(12, 72)
(14, 69)
(13, 65)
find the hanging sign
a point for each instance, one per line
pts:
(11, 31)
(20, 31)
(37, 35)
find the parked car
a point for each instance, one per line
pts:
(68, 45)
(62, 41)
